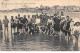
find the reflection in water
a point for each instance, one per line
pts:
(40, 42)
(76, 44)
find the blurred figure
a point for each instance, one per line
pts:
(29, 19)
(0, 25)
(13, 25)
(16, 22)
(31, 28)
(76, 34)
(1, 29)
(37, 29)
(46, 29)
(20, 24)
(49, 23)
(62, 13)
(25, 21)
(76, 31)
(56, 24)
(18, 15)
(68, 29)
(5, 22)
(62, 24)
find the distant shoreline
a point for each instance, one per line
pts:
(32, 12)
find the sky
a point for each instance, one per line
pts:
(37, 3)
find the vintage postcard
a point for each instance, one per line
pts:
(39, 25)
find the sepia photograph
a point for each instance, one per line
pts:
(39, 25)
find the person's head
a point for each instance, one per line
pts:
(11, 17)
(24, 16)
(18, 15)
(5, 17)
(68, 18)
(55, 15)
(62, 14)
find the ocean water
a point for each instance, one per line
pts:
(39, 42)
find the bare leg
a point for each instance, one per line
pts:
(14, 30)
(4, 30)
(5, 33)
(11, 30)
(7, 30)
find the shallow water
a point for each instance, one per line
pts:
(37, 42)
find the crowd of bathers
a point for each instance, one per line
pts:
(48, 24)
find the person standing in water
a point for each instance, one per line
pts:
(0, 26)
(49, 23)
(24, 22)
(16, 22)
(1, 29)
(5, 22)
(56, 24)
(12, 24)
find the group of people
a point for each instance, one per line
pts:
(48, 24)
